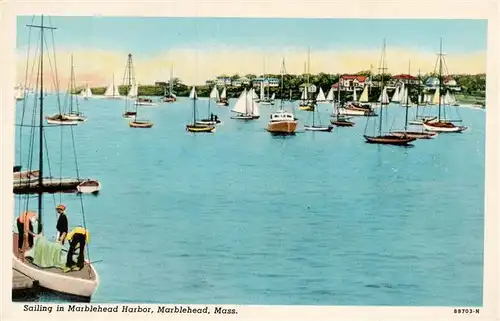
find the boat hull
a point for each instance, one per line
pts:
(417, 135)
(140, 124)
(318, 128)
(306, 108)
(80, 118)
(56, 281)
(282, 127)
(244, 117)
(389, 140)
(90, 186)
(356, 112)
(200, 128)
(443, 127)
(129, 114)
(64, 122)
(208, 122)
(146, 104)
(223, 104)
(341, 123)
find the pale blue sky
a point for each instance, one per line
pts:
(148, 36)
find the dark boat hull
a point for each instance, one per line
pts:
(341, 123)
(389, 140)
(417, 135)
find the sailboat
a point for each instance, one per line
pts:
(142, 101)
(306, 103)
(282, 121)
(357, 108)
(222, 102)
(129, 75)
(420, 118)
(440, 124)
(330, 96)
(320, 98)
(339, 120)
(49, 273)
(196, 127)
(246, 108)
(170, 97)
(406, 101)
(86, 93)
(112, 91)
(397, 95)
(382, 138)
(316, 127)
(73, 116)
(212, 119)
(133, 93)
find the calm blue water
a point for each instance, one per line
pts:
(242, 217)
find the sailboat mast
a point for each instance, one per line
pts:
(40, 155)
(440, 77)
(282, 82)
(383, 86)
(40, 142)
(338, 95)
(407, 96)
(419, 94)
(194, 106)
(71, 87)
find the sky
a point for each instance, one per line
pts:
(203, 48)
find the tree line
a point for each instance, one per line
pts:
(472, 85)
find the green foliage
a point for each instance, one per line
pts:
(472, 85)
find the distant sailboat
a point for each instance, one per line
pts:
(195, 126)
(381, 137)
(170, 97)
(222, 102)
(246, 107)
(86, 93)
(72, 117)
(306, 103)
(211, 119)
(330, 97)
(112, 92)
(321, 96)
(340, 120)
(133, 93)
(441, 124)
(406, 101)
(357, 108)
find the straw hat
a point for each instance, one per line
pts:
(61, 207)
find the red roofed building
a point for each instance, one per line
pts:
(348, 82)
(405, 78)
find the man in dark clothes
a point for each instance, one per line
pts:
(25, 229)
(79, 236)
(62, 224)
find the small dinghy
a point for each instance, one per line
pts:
(141, 124)
(145, 102)
(198, 128)
(90, 186)
(317, 128)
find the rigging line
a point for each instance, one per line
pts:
(55, 64)
(78, 177)
(54, 69)
(48, 162)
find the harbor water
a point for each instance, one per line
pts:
(243, 217)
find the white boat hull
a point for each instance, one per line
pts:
(318, 129)
(146, 104)
(350, 112)
(456, 129)
(88, 189)
(63, 122)
(75, 117)
(56, 281)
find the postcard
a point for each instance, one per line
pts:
(253, 160)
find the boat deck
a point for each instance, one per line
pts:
(21, 282)
(50, 185)
(85, 273)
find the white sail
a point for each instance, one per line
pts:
(134, 90)
(402, 93)
(88, 92)
(253, 94)
(214, 94)
(419, 99)
(240, 106)
(262, 95)
(364, 95)
(453, 99)
(396, 96)
(223, 95)
(192, 94)
(253, 107)
(110, 92)
(384, 98)
(436, 97)
(321, 95)
(354, 95)
(447, 98)
(273, 96)
(329, 97)
(19, 93)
